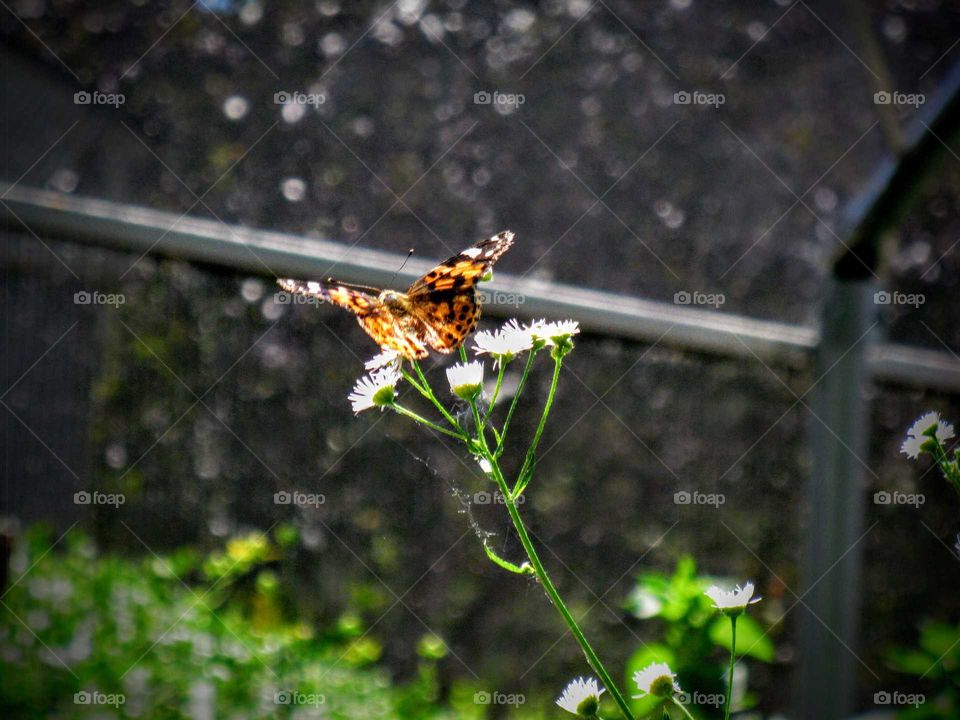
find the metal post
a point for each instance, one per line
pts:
(828, 625)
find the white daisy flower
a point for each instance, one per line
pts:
(913, 446)
(387, 357)
(732, 602)
(505, 343)
(555, 333)
(466, 379)
(916, 437)
(581, 697)
(375, 390)
(657, 680)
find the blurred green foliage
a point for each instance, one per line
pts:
(936, 661)
(193, 636)
(693, 634)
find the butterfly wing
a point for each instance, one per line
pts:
(445, 299)
(464, 270)
(404, 335)
(441, 308)
(356, 301)
(395, 333)
(447, 317)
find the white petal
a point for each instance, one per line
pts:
(649, 675)
(911, 447)
(576, 691)
(925, 422)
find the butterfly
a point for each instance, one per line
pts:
(438, 311)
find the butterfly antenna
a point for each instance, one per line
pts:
(409, 253)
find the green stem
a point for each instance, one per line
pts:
(425, 390)
(592, 659)
(522, 477)
(513, 404)
(733, 658)
(496, 394)
(413, 416)
(682, 708)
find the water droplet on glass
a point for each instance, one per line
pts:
(251, 13)
(292, 34)
(235, 107)
(65, 180)
(252, 289)
(294, 189)
(116, 456)
(519, 21)
(293, 112)
(894, 28)
(756, 30)
(332, 44)
(825, 199)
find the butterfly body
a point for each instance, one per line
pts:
(437, 312)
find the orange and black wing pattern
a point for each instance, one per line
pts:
(439, 310)
(445, 299)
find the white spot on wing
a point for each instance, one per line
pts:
(314, 287)
(472, 253)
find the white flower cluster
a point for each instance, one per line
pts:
(916, 437)
(378, 387)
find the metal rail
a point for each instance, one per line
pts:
(142, 230)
